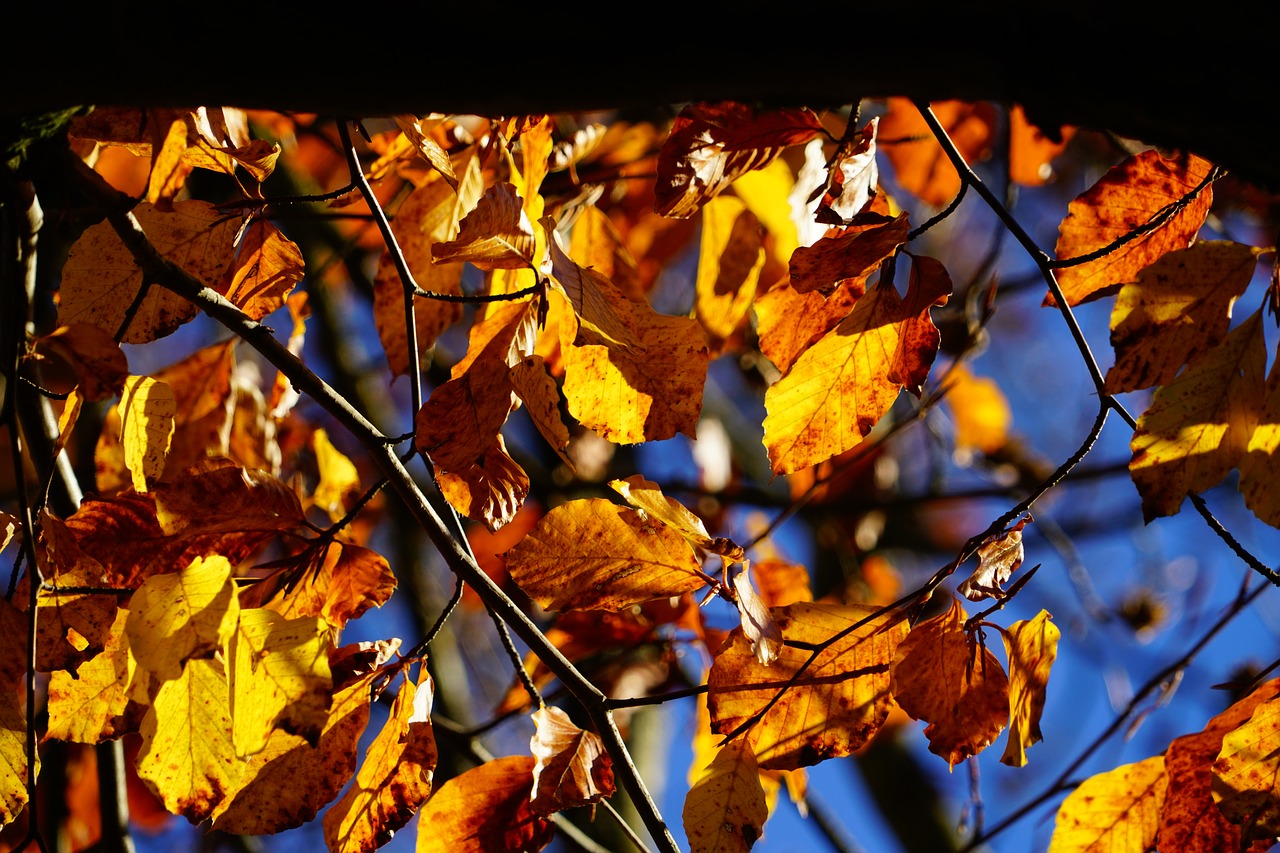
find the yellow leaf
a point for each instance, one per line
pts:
(1113, 812)
(765, 193)
(187, 756)
(1178, 307)
(338, 477)
(788, 321)
(394, 779)
(1199, 425)
(846, 381)
(13, 713)
(541, 397)
(596, 245)
(573, 768)
(1261, 464)
(339, 582)
(93, 705)
(267, 267)
(497, 234)
(280, 678)
(730, 258)
(417, 131)
(835, 705)
(176, 617)
(1246, 774)
(147, 409)
(593, 554)
(982, 414)
(169, 169)
(1031, 647)
(485, 810)
(942, 676)
(647, 496)
(1126, 198)
(604, 314)
(724, 811)
(100, 280)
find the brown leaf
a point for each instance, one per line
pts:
(754, 617)
(497, 234)
(418, 131)
(541, 397)
(573, 768)
(485, 810)
(724, 811)
(941, 676)
(1124, 199)
(337, 582)
(851, 253)
(922, 167)
(13, 715)
(90, 355)
(267, 267)
(852, 178)
(711, 145)
(998, 558)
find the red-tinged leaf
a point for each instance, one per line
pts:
(594, 554)
(711, 145)
(485, 810)
(724, 811)
(267, 267)
(922, 167)
(1125, 199)
(573, 768)
(497, 234)
(852, 178)
(1117, 811)
(942, 676)
(1030, 647)
(788, 321)
(1198, 427)
(852, 253)
(337, 581)
(1246, 773)
(998, 558)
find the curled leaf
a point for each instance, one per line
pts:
(757, 623)
(998, 558)
(573, 768)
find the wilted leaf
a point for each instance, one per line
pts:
(980, 410)
(490, 489)
(267, 267)
(100, 280)
(13, 714)
(853, 178)
(497, 234)
(943, 676)
(711, 145)
(147, 412)
(835, 705)
(338, 584)
(998, 558)
(176, 617)
(1117, 811)
(922, 167)
(730, 258)
(573, 768)
(1178, 307)
(594, 554)
(724, 811)
(94, 704)
(1199, 425)
(1031, 647)
(393, 780)
(846, 381)
(1126, 198)
(757, 623)
(485, 810)
(1031, 151)
(851, 253)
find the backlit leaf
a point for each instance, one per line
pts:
(176, 617)
(90, 353)
(853, 178)
(1030, 647)
(754, 617)
(647, 496)
(711, 145)
(338, 584)
(94, 704)
(573, 768)
(1126, 198)
(981, 412)
(147, 411)
(724, 811)
(730, 258)
(497, 234)
(338, 477)
(835, 705)
(1113, 812)
(418, 131)
(490, 489)
(485, 810)
(1178, 307)
(541, 397)
(1246, 774)
(594, 554)
(1261, 464)
(788, 321)
(1031, 151)
(918, 160)
(998, 558)
(267, 267)
(850, 253)
(1199, 425)
(943, 676)
(13, 714)
(604, 315)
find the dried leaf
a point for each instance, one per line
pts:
(788, 321)
(724, 811)
(418, 131)
(485, 810)
(1246, 774)
(942, 676)
(573, 768)
(339, 478)
(998, 558)
(147, 412)
(853, 178)
(1198, 427)
(1115, 811)
(339, 582)
(851, 253)
(593, 554)
(922, 167)
(755, 619)
(646, 496)
(93, 357)
(730, 258)
(1030, 647)
(497, 234)
(176, 617)
(541, 397)
(267, 267)
(1125, 199)
(490, 490)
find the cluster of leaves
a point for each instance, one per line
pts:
(198, 601)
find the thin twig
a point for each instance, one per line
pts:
(517, 661)
(625, 827)
(480, 298)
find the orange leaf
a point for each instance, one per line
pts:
(1031, 151)
(646, 496)
(730, 258)
(789, 321)
(998, 558)
(1246, 774)
(1115, 811)
(337, 582)
(1126, 198)
(1030, 647)
(573, 768)
(754, 617)
(490, 490)
(711, 145)
(267, 267)
(485, 810)
(922, 167)
(604, 315)
(850, 253)
(417, 131)
(981, 412)
(724, 811)
(541, 397)
(497, 234)
(835, 705)
(942, 676)
(90, 353)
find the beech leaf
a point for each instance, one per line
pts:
(95, 704)
(267, 267)
(998, 558)
(604, 317)
(13, 715)
(572, 767)
(922, 167)
(1116, 810)
(851, 253)
(755, 619)
(730, 258)
(497, 234)
(1030, 647)
(176, 617)
(147, 412)
(1261, 464)
(487, 809)
(724, 811)
(1246, 773)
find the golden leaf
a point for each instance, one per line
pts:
(850, 253)
(572, 767)
(339, 582)
(94, 704)
(922, 167)
(485, 810)
(834, 706)
(1030, 647)
(267, 267)
(13, 713)
(1261, 463)
(1198, 427)
(1246, 774)
(1126, 198)
(1178, 307)
(998, 558)
(730, 258)
(596, 245)
(147, 411)
(954, 684)
(981, 412)
(90, 354)
(541, 397)
(604, 314)
(765, 192)
(646, 496)
(593, 554)
(497, 234)
(490, 489)
(339, 478)
(724, 811)
(1117, 811)
(788, 321)
(417, 131)
(1031, 151)
(176, 617)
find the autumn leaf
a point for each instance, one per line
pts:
(646, 496)
(1126, 198)
(922, 167)
(604, 317)
(393, 780)
(1030, 647)
(998, 558)
(267, 267)
(1246, 773)
(248, 500)
(711, 145)
(1115, 811)
(980, 410)
(490, 490)
(497, 234)
(730, 258)
(851, 253)
(176, 617)
(1198, 427)
(147, 412)
(724, 811)
(1031, 151)
(846, 381)
(95, 704)
(101, 281)
(1178, 307)
(594, 554)
(596, 244)
(943, 676)
(853, 178)
(339, 478)
(754, 617)
(835, 705)
(13, 715)
(788, 321)
(90, 354)
(572, 767)
(418, 132)
(541, 398)
(485, 810)
(1258, 468)
(337, 581)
